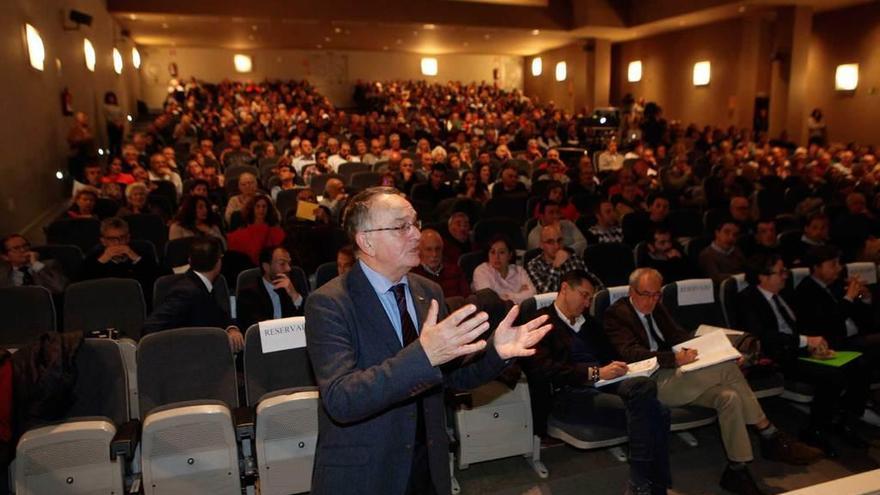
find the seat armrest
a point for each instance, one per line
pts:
(244, 419)
(126, 440)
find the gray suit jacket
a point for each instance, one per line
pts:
(51, 276)
(369, 385)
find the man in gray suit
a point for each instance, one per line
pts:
(383, 350)
(22, 266)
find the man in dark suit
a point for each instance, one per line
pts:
(839, 310)
(273, 296)
(22, 266)
(383, 352)
(572, 358)
(639, 327)
(192, 302)
(766, 314)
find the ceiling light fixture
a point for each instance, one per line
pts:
(36, 50)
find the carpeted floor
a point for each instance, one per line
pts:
(696, 470)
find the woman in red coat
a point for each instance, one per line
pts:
(261, 228)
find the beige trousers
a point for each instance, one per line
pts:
(721, 387)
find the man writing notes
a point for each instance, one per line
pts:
(639, 327)
(383, 349)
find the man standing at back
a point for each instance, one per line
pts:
(383, 350)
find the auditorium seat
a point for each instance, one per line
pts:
(27, 312)
(282, 387)
(489, 227)
(468, 262)
(148, 227)
(319, 182)
(727, 295)
(347, 169)
(612, 262)
(325, 273)
(69, 256)
(251, 276)
(177, 252)
(163, 285)
(84, 233)
(89, 450)
(692, 303)
(604, 298)
(286, 201)
(362, 180)
(105, 303)
(188, 402)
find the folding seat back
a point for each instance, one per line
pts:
(105, 303)
(78, 455)
(865, 270)
(319, 182)
(604, 298)
(468, 262)
(612, 262)
(488, 227)
(325, 273)
(362, 180)
(685, 222)
(81, 232)
(529, 308)
(347, 169)
(148, 227)
(728, 296)
(280, 383)
(692, 303)
(286, 201)
(509, 206)
(70, 258)
(177, 252)
(27, 312)
(797, 276)
(187, 386)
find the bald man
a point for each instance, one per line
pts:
(334, 198)
(432, 265)
(546, 269)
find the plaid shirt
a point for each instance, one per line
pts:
(546, 278)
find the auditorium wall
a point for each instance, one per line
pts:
(844, 36)
(33, 133)
(333, 72)
(570, 94)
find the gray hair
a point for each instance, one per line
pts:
(640, 273)
(357, 212)
(113, 223)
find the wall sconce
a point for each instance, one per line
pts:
(702, 73)
(36, 51)
(89, 52)
(846, 78)
(634, 71)
(537, 66)
(135, 58)
(561, 71)
(117, 61)
(429, 66)
(242, 62)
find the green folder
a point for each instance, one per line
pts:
(840, 358)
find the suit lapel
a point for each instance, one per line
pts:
(370, 310)
(643, 335)
(421, 301)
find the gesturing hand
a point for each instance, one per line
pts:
(454, 336)
(511, 342)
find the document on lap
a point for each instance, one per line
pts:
(712, 348)
(639, 368)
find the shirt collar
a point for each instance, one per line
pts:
(641, 315)
(821, 283)
(578, 322)
(268, 285)
(208, 284)
(766, 293)
(380, 283)
(721, 250)
(433, 272)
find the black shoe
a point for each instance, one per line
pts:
(851, 436)
(637, 489)
(820, 440)
(739, 481)
(783, 448)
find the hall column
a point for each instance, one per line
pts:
(788, 83)
(598, 52)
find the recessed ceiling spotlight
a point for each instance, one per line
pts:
(385, 48)
(319, 46)
(487, 36)
(251, 37)
(429, 27)
(536, 32)
(398, 41)
(465, 44)
(415, 33)
(337, 30)
(133, 17)
(254, 27)
(742, 8)
(164, 25)
(327, 39)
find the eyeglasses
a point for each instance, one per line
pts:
(19, 248)
(652, 295)
(557, 240)
(782, 273)
(400, 229)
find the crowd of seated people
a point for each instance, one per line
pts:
(219, 161)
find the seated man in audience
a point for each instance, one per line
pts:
(274, 295)
(640, 327)
(546, 269)
(287, 174)
(92, 178)
(664, 255)
(764, 241)
(607, 227)
(434, 267)
(344, 259)
(765, 313)
(457, 237)
(235, 153)
(509, 183)
(722, 258)
(436, 189)
(192, 302)
(343, 156)
(572, 357)
(307, 157)
(549, 214)
(406, 177)
(836, 308)
(334, 198)
(637, 225)
(816, 233)
(22, 266)
(610, 160)
(741, 212)
(114, 257)
(160, 170)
